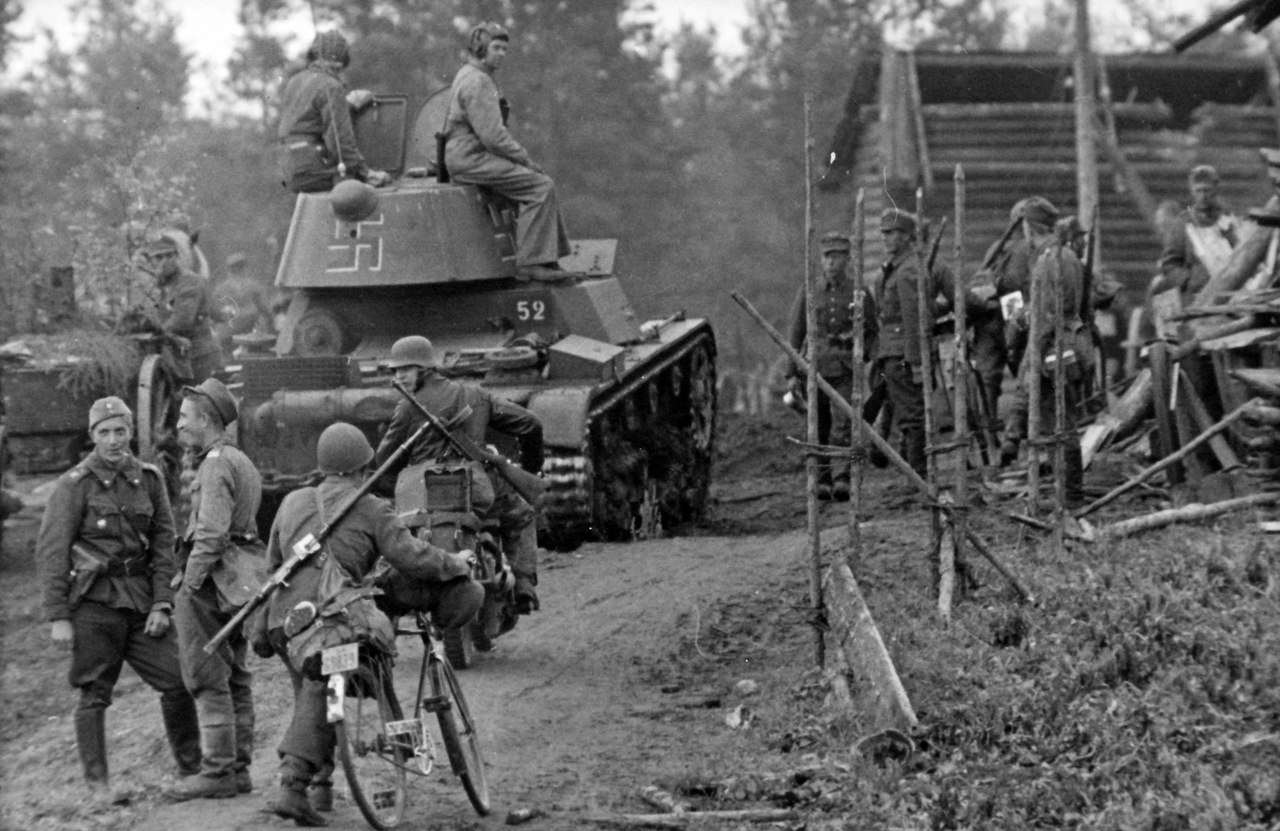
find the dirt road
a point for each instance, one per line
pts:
(566, 701)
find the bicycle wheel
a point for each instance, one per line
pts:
(458, 730)
(372, 759)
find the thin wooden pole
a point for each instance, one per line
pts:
(811, 327)
(924, 340)
(951, 550)
(1055, 280)
(1273, 83)
(1086, 120)
(858, 461)
(895, 459)
(1031, 381)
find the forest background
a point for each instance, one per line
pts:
(693, 159)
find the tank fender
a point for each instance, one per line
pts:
(320, 408)
(563, 413)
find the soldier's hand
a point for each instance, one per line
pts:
(460, 563)
(60, 631)
(358, 99)
(176, 582)
(377, 178)
(157, 623)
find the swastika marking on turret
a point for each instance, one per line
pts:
(353, 239)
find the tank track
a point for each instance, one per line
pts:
(644, 464)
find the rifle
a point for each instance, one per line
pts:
(306, 547)
(937, 241)
(996, 249)
(527, 484)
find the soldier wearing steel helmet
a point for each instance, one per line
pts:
(183, 310)
(225, 498)
(834, 354)
(105, 550)
(898, 355)
(416, 365)
(440, 583)
(317, 140)
(479, 150)
(1057, 269)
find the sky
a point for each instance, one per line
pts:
(208, 29)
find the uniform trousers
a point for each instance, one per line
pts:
(540, 233)
(906, 397)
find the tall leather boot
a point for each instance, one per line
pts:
(290, 800)
(91, 739)
(244, 740)
(182, 728)
(913, 439)
(216, 779)
(1073, 460)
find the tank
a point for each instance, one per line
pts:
(628, 407)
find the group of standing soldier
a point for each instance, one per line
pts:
(121, 587)
(1040, 246)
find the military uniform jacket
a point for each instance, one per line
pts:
(186, 310)
(445, 398)
(1012, 269)
(1057, 269)
(313, 107)
(369, 531)
(835, 326)
(899, 335)
(473, 123)
(122, 513)
(224, 505)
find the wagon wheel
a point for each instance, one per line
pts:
(157, 420)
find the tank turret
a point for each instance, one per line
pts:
(628, 406)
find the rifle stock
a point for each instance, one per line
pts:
(527, 484)
(304, 548)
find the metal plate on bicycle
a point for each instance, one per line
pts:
(406, 727)
(342, 658)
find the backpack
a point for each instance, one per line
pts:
(329, 607)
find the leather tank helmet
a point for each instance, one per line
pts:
(482, 34)
(330, 46)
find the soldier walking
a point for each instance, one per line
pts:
(224, 507)
(834, 356)
(441, 581)
(898, 357)
(105, 550)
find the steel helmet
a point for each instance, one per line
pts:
(330, 46)
(353, 200)
(342, 449)
(414, 350)
(481, 35)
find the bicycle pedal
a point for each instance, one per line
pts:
(436, 703)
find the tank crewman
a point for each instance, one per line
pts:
(105, 550)
(224, 506)
(442, 579)
(317, 141)
(1201, 240)
(415, 363)
(183, 311)
(897, 353)
(834, 355)
(241, 302)
(1058, 269)
(480, 151)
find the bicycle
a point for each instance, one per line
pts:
(377, 747)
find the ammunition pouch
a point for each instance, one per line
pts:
(87, 566)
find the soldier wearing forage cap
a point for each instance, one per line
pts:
(1201, 240)
(480, 150)
(897, 352)
(105, 550)
(317, 141)
(834, 356)
(1056, 269)
(183, 310)
(213, 562)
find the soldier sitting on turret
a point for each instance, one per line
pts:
(318, 143)
(480, 151)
